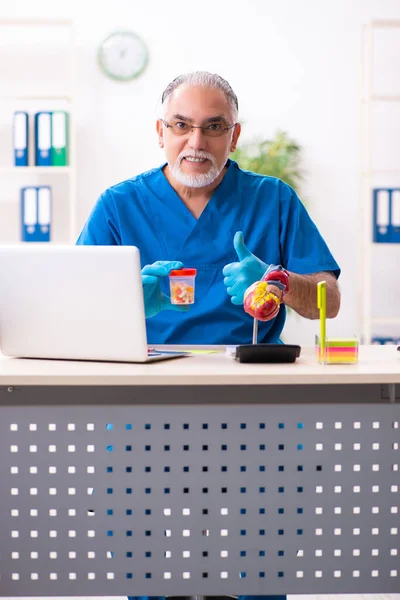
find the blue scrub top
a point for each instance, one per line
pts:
(146, 212)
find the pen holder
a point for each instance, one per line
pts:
(338, 351)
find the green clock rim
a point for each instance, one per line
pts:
(128, 77)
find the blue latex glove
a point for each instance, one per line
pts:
(154, 299)
(238, 276)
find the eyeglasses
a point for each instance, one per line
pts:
(211, 130)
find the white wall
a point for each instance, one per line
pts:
(294, 65)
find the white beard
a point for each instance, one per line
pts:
(200, 180)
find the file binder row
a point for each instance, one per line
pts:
(51, 139)
(385, 341)
(36, 213)
(386, 217)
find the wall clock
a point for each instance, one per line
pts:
(123, 55)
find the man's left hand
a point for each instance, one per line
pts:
(239, 276)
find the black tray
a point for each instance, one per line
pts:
(267, 353)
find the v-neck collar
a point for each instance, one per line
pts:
(171, 214)
(174, 198)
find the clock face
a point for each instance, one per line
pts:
(123, 55)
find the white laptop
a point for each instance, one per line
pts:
(74, 302)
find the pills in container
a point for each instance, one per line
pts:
(182, 286)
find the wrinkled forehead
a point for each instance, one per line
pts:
(198, 103)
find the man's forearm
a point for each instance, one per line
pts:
(302, 296)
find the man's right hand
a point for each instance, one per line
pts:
(238, 276)
(154, 299)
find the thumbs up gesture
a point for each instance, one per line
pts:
(238, 276)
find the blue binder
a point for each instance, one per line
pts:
(36, 214)
(386, 215)
(44, 212)
(395, 215)
(43, 139)
(21, 136)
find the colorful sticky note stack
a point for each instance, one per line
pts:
(338, 351)
(332, 351)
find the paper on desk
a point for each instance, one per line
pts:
(201, 351)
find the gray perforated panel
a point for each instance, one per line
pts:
(255, 499)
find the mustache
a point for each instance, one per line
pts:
(199, 154)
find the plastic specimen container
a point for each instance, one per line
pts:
(182, 286)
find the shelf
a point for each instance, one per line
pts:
(35, 170)
(369, 251)
(385, 244)
(381, 172)
(382, 98)
(386, 321)
(40, 97)
(386, 98)
(389, 23)
(60, 22)
(35, 94)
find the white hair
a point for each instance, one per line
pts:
(202, 79)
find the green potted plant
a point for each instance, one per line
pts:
(279, 157)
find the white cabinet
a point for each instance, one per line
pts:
(378, 292)
(37, 73)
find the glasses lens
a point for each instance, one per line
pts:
(181, 128)
(214, 129)
(211, 130)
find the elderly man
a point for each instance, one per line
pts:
(200, 210)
